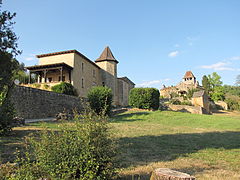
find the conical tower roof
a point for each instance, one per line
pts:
(189, 74)
(106, 56)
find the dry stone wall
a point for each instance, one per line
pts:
(32, 103)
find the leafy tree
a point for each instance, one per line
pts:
(8, 65)
(206, 83)
(216, 88)
(238, 80)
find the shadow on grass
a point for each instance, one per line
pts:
(144, 150)
(9, 144)
(129, 117)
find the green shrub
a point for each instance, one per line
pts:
(46, 86)
(84, 149)
(188, 103)
(37, 85)
(64, 88)
(233, 102)
(7, 112)
(100, 100)
(144, 98)
(175, 102)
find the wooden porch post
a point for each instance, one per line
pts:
(61, 74)
(45, 75)
(29, 80)
(70, 76)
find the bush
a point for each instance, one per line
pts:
(7, 112)
(64, 88)
(175, 102)
(100, 100)
(233, 102)
(144, 98)
(82, 150)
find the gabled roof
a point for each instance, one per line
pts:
(106, 56)
(67, 52)
(126, 80)
(189, 74)
(198, 94)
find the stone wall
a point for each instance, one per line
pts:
(31, 103)
(185, 108)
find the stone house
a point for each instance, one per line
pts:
(73, 67)
(201, 99)
(188, 82)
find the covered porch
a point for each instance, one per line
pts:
(51, 74)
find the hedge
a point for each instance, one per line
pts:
(144, 98)
(64, 88)
(100, 100)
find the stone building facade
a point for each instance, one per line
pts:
(73, 67)
(188, 82)
(201, 99)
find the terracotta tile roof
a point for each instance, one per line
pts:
(106, 56)
(36, 67)
(189, 74)
(67, 52)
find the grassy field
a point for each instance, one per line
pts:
(205, 146)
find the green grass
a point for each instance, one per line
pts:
(206, 146)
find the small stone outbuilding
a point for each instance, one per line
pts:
(201, 99)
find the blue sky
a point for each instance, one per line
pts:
(155, 41)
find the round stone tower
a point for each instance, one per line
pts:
(108, 65)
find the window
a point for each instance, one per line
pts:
(103, 84)
(82, 67)
(94, 73)
(82, 84)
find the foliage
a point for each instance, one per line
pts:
(174, 94)
(37, 85)
(233, 90)
(238, 80)
(82, 150)
(100, 100)
(233, 102)
(191, 92)
(206, 84)
(214, 80)
(64, 88)
(188, 103)
(144, 98)
(175, 102)
(217, 94)
(6, 113)
(8, 65)
(46, 86)
(216, 90)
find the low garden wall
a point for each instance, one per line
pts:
(185, 108)
(32, 103)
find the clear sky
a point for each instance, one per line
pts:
(155, 41)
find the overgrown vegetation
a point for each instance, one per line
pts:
(8, 66)
(84, 149)
(100, 100)
(144, 98)
(64, 88)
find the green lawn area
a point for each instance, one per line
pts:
(205, 146)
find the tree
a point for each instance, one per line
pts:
(216, 89)
(238, 80)
(206, 83)
(8, 65)
(214, 80)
